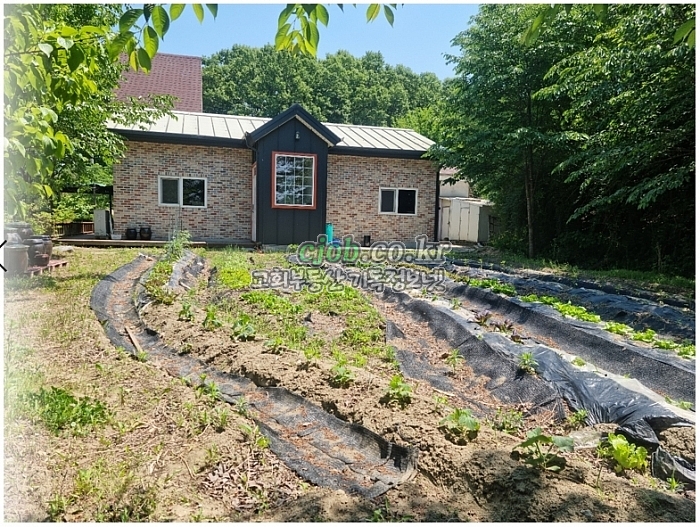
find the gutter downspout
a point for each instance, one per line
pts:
(257, 208)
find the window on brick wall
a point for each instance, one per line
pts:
(181, 191)
(294, 181)
(398, 200)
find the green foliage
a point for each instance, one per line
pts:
(155, 284)
(618, 328)
(627, 456)
(684, 405)
(674, 485)
(648, 335)
(461, 423)
(243, 328)
(341, 375)
(235, 278)
(540, 451)
(211, 319)
(578, 312)
(399, 390)
(175, 248)
(495, 285)
(60, 410)
(454, 360)
(578, 361)
(185, 313)
(455, 303)
(509, 421)
(686, 351)
(255, 437)
(527, 363)
(578, 418)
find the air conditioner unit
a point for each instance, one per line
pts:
(102, 224)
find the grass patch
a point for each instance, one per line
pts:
(60, 411)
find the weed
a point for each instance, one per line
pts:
(141, 356)
(455, 303)
(235, 278)
(399, 390)
(360, 360)
(462, 424)
(618, 328)
(208, 389)
(211, 320)
(341, 375)
(384, 514)
(509, 421)
(242, 406)
(275, 345)
(440, 402)
(185, 313)
(454, 360)
(674, 485)
(578, 418)
(538, 450)
(647, 335)
(482, 317)
(243, 329)
(60, 410)
(626, 455)
(57, 507)
(578, 361)
(527, 363)
(175, 248)
(254, 436)
(312, 354)
(212, 455)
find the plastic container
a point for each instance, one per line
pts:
(145, 233)
(329, 232)
(131, 233)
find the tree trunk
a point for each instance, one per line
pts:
(530, 185)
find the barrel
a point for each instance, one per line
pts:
(35, 246)
(16, 259)
(48, 245)
(145, 233)
(131, 233)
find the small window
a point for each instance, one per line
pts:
(294, 181)
(397, 200)
(186, 192)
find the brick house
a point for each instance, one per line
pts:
(275, 181)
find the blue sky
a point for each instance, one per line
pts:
(421, 35)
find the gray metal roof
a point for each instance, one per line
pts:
(206, 125)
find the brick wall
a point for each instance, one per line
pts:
(177, 75)
(353, 197)
(229, 195)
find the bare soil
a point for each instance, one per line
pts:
(477, 481)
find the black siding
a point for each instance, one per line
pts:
(285, 226)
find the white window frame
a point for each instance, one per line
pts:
(179, 192)
(314, 162)
(396, 202)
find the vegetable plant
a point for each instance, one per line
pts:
(683, 405)
(541, 451)
(578, 361)
(186, 312)
(461, 424)
(482, 317)
(509, 421)
(647, 335)
(618, 328)
(399, 390)
(626, 455)
(578, 418)
(527, 363)
(454, 360)
(341, 375)
(211, 320)
(242, 328)
(674, 485)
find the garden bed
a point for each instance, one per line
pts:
(331, 349)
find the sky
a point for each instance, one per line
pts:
(419, 39)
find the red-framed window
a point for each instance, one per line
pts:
(294, 180)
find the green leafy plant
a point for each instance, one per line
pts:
(455, 303)
(648, 335)
(243, 329)
(241, 406)
(578, 312)
(312, 354)
(482, 317)
(440, 402)
(674, 485)
(185, 313)
(509, 421)
(627, 456)
(454, 360)
(687, 351)
(684, 405)
(527, 363)
(211, 319)
(60, 410)
(664, 344)
(578, 418)
(341, 375)
(461, 424)
(578, 361)
(541, 451)
(399, 390)
(505, 326)
(255, 437)
(618, 328)
(141, 356)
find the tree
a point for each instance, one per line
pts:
(504, 140)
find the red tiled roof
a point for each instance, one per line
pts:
(177, 75)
